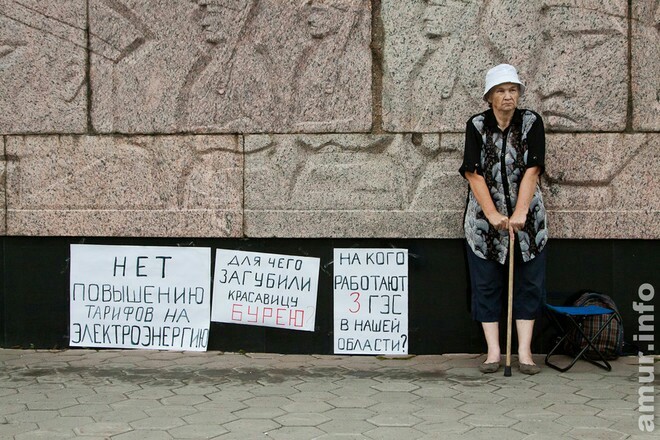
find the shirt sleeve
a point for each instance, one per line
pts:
(472, 152)
(536, 145)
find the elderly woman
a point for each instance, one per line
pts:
(503, 159)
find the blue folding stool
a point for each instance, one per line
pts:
(575, 316)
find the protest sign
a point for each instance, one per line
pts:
(262, 289)
(371, 301)
(140, 297)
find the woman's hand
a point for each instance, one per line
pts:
(499, 221)
(482, 194)
(517, 221)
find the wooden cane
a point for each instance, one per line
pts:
(509, 318)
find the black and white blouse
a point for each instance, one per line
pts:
(502, 157)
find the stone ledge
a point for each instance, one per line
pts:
(353, 224)
(445, 224)
(604, 224)
(125, 223)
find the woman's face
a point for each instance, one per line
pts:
(504, 97)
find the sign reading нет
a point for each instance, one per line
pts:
(140, 297)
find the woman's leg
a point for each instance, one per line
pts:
(528, 300)
(492, 334)
(486, 283)
(525, 328)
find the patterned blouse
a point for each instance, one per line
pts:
(488, 151)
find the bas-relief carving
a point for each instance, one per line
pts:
(581, 77)
(42, 66)
(186, 186)
(583, 171)
(141, 52)
(603, 185)
(232, 74)
(440, 187)
(437, 52)
(636, 185)
(351, 179)
(428, 81)
(232, 66)
(316, 78)
(646, 65)
(332, 75)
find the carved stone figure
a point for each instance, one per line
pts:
(434, 76)
(443, 56)
(582, 73)
(229, 66)
(42, 67)
(141, 52)
(230, 88)
(326, 89)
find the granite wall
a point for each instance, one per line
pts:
(320, 118)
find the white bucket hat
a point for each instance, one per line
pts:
(500, 74)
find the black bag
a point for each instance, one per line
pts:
(610, 341)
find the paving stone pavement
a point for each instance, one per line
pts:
(145, 395)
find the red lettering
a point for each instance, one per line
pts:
(236, 313)
(255, 314)
(280, 316)
(296, 318)
(268, 313)
(356, 300)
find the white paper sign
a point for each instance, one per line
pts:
(262, 289)
(140, 297)
(371, 301)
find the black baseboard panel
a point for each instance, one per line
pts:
(35, 290)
